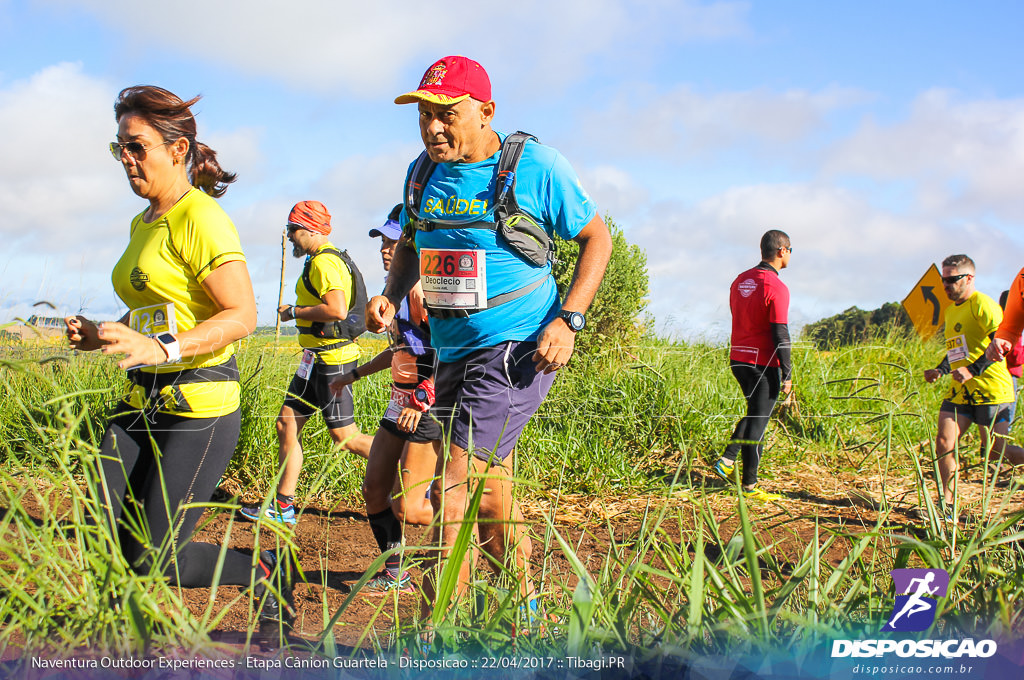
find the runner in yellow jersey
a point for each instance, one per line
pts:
(980, 390)
(185, 283)
(328, 312)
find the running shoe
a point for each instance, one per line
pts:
(273, 514)
(760, 495)
(273, 593)
(384, 583)
(724, 470)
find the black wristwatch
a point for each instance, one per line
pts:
(574, 320)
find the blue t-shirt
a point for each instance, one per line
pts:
(547, 189)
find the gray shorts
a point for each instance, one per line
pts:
(305, 397)
(984, 415)
(489, 396)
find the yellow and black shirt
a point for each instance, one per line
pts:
(159, 277)
(326, 272)
(968, 327)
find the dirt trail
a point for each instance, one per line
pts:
(335, 546)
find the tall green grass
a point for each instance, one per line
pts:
(708, 576)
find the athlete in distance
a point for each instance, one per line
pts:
(324, 294)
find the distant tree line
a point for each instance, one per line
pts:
(855, 326)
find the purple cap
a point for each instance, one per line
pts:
(389, 229)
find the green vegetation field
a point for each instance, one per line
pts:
(618, 453)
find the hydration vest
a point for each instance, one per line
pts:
(353, 325)
(519, 230)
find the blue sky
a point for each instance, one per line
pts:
(881, 136)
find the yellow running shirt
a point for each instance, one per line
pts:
(968, 326)
(326, 272)
(159, 277)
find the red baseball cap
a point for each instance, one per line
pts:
(311, 215)
(450, 80)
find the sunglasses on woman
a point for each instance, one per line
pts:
(134, 149)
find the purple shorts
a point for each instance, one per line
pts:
(489, 396)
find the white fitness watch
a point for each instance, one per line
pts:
(171, 346)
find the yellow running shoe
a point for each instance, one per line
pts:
(760, 495)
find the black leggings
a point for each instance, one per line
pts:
(185, 457)
(760, 385)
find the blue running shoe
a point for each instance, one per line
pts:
(272, 514)
(384, 583)
(724, 470)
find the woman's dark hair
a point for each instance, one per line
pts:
(172, 118)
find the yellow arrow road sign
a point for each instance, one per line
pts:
(926, 303)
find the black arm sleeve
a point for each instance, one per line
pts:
(780, 334)
(978, 366)
(943, 367)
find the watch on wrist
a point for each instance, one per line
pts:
(574, 320)
(355, 374)
(170, 346)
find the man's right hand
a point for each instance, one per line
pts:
(931, 375)
(379, 314)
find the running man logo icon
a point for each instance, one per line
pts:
(916, 593)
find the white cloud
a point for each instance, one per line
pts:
(64, 201)
(965, 157)
(55, 170)
(614, 190)
(238, 151)
(365, 48)
(684, 121)
(846, 252)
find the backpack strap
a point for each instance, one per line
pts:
(354, 324)
(414, 185)
(505, 203)
(309, 264)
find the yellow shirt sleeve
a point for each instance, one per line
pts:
(206, 239)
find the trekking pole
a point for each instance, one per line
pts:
(280, 291)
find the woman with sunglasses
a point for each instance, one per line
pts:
(185, 283)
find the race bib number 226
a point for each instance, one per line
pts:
(454, 279)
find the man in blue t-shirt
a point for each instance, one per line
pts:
(495, 318)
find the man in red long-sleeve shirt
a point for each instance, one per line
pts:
(759, 356)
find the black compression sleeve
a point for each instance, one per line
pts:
(780, 335)
(978, 366)
(943, 367)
